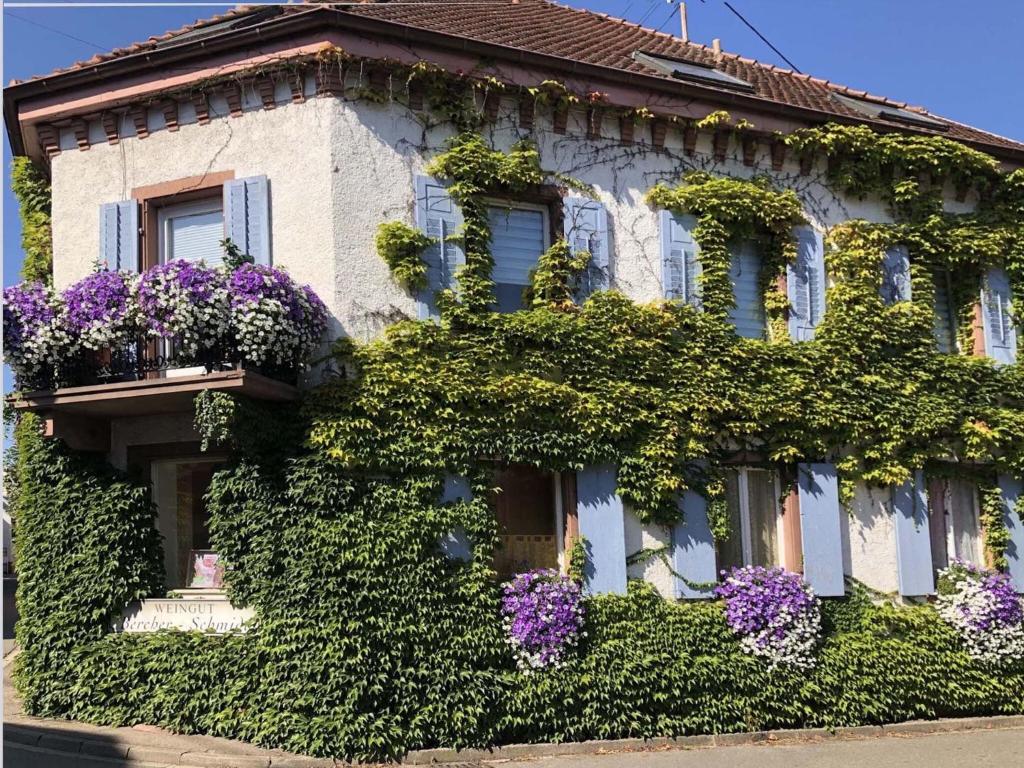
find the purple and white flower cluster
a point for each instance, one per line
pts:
(101, 309)
(274, 320)
(186, 303)
(543, 615)
(36, 337)
(249, 313)
(984, 608)
(775, 613)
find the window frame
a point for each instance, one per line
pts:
(154, 196)
(940, 502)
(746, 528)
(542, 202)
(167, 212)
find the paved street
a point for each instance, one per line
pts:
(945, 750)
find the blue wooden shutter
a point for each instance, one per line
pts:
(1012, 489)
(945, 316)
(747, 316)
(895, 275)
(913, 537)
(820, 520)
(602, 524)
(247, 216)
(585, 223)
(119, 235)
(679, 261)
(456, 544)
(693, 549)
(439, 218)
(805, 285)
(997, 314)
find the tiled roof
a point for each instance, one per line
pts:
(543, 27)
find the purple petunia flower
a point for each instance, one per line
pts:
(543, 615)
(100, 309)
(775, 613)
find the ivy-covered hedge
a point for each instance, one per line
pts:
(370, 642)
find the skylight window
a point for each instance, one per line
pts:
(887, 112)
(685, 70)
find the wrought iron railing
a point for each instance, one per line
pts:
(138, 359)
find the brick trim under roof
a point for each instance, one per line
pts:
(549, 29)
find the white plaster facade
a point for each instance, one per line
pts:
(338, 168)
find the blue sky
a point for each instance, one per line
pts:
(961, 60)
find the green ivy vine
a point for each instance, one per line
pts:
(32, 190)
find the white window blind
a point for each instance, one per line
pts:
(193, 232)
(518, 238)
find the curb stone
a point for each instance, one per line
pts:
(514, 752)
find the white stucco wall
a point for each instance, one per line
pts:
(338, 169)
(869, 539)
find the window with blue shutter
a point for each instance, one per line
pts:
(119, 235)
(1011, 490)
(748, 315)
(820, 521)
(441, 219)
(602, 524)
(680, 264)
(805, 284)
(895, 284)
(913, 537)
(945, 312)
(247, 216)
(519, 235)
(997, 316)
(585, 224)
(693, 549)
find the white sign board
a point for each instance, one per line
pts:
(205, 615)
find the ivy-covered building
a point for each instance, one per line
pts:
(597, 300)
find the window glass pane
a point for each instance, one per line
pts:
(763, 506)
(945, 323)
(730, 552)
(748, 315)
(963, 518)
(196, 237)
(937, 523)
(525, 508)
(517, 241)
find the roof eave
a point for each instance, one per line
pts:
(318, 16)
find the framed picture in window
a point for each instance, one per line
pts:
(207, 571)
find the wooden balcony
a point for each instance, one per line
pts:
(81, 415)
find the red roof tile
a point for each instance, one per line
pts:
(544, 27)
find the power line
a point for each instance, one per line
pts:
(675, 10)
(763, 38)
(650, 10)
(55, 31)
